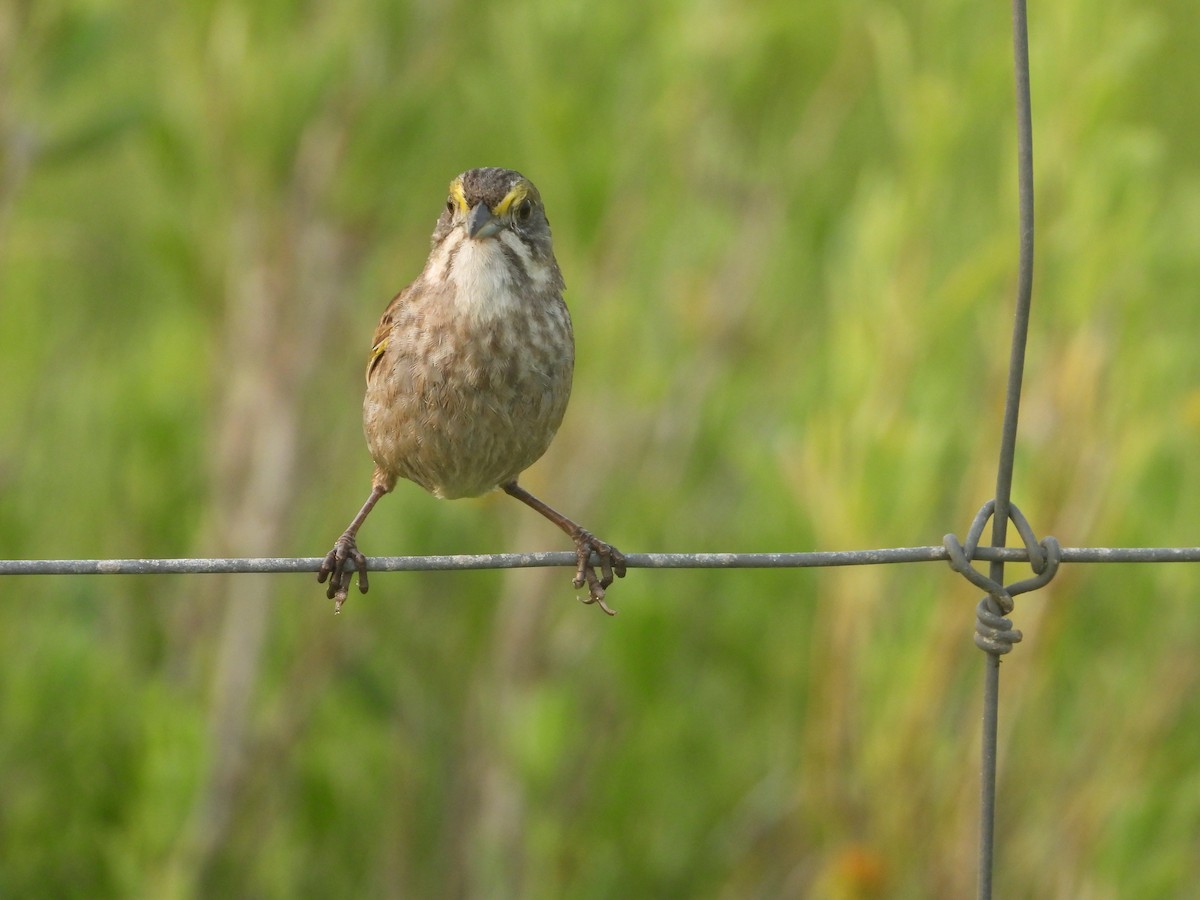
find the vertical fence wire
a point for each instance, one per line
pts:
(1008, 439)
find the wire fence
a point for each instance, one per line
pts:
(824, 559)
(994, 632)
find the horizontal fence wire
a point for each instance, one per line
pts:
(802, 560)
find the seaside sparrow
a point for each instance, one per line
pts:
(470, 370)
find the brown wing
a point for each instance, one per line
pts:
(383, 331)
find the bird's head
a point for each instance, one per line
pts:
(485, 202)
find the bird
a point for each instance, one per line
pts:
(470, 371)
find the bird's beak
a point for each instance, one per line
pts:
(481, 223)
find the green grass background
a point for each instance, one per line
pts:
(788, 232)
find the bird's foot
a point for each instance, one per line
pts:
(612, 563)
(339, 566)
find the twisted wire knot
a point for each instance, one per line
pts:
(994, 632)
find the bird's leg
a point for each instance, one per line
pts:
(612, 561)
(344, 551)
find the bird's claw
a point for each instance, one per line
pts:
(612, 563)
(339, 566)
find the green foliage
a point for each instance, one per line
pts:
(788, 232)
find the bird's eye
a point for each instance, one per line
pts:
(524, 211)
(450, 205)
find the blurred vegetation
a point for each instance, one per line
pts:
(788, 230)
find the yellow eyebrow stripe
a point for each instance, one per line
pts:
(456, 192)
(516, 195)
